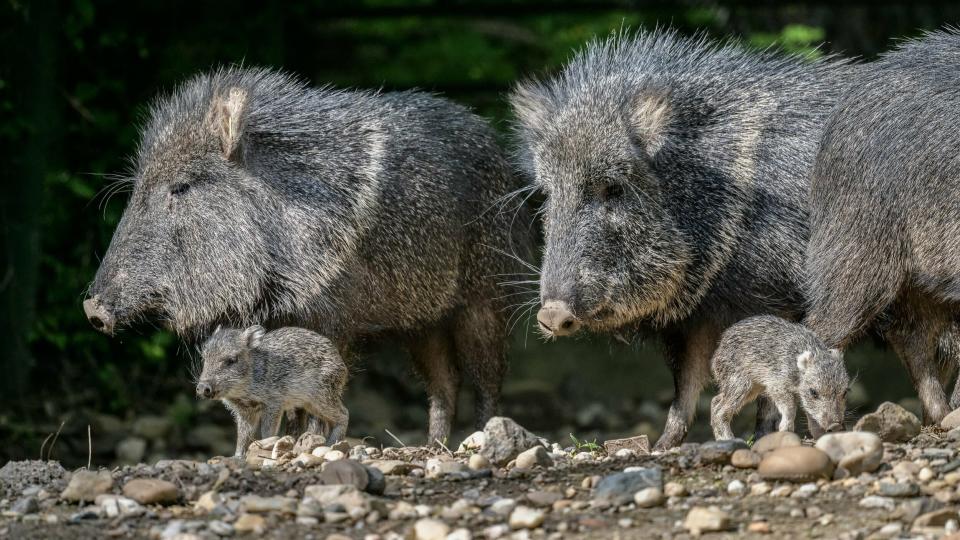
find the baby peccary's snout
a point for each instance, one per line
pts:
(556, 319)
(781, 360)
(204, 390)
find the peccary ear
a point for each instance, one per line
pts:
(803, 360)
(649, 116)
(530, 105)
(836, 353)
(252, 336)
(227, 112)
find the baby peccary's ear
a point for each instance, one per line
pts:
(226, 115)
(252, 336)
(803, 360)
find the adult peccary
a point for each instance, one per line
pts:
(675, 178)
(766, 355)
(258, 375)
(885, 218)
(257, 199)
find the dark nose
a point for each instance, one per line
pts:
(835, 427)
(204, 390)
(556, 318)
(98, 315)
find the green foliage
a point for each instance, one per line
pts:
(585, 446)
(794, 38)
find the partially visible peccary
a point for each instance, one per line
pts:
(885, 220)
(258, 199)
(675, 174)
(766, 355)
(259, 375)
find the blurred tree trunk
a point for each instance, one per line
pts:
(31, 87)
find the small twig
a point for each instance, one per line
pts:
(444, 446)
(54, 442)
(42, 446)
(394, 437)
(89, 447)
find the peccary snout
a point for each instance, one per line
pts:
(204, 390)
(99, 316)
(556, 319)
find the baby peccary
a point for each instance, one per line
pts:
(779, 359)
(258, 375)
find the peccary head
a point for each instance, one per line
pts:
(227, 221)
(823, 389)
(227, 363)
(613, 251)
(646, 148)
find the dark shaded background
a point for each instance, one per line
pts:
(75, 79)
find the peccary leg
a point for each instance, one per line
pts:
(948, 351)
(690, 362)
(768, 417)
(479, 335)
(722, 409)
(338, 422)
(725, 405)
(247, 419)
(914, 335)
(433, 358)
(298, 422)
(270, 420)
(786, 405)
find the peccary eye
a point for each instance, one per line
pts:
(230, 361)
(179, 188)
(612, 191)
(814, 394)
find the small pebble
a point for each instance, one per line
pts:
(648, 497)
(736, 487)
(674, 489)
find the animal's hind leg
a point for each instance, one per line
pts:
(479, 334)
(433, 358)
(768, 417)
(724, 406)
(915, 334)
(948, 353)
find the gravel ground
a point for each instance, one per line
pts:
(291, 489)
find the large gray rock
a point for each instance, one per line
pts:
(86, 485)
(151, 491)
(796, 464)
(719, 452)
(505, 439)
(855, 451)
(891, 422)
(619, 488)
(951, 420)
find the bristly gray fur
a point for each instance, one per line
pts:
(766, 355)
(258, 375)
(675, 172)
(353, 213)
(884, 223)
